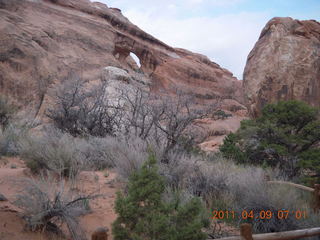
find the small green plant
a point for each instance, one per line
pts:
(143, 214)
(220, 114)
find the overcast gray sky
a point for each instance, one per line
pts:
(224, 30)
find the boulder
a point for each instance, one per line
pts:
(284, 64)
(116, 74)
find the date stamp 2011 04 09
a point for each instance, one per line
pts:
(262, 214)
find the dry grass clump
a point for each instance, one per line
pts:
(65, 155)
(8, 141)
(11, 136)
(200, 177)
(129, 156)
(96, 152)
(7, 110)
(48, 205)
(53, 151)
(249, 190)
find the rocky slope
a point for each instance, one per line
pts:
(42, 41)
(284, 64)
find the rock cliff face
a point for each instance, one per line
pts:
(41, 41)
(284, 64)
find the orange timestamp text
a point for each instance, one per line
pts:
(262, 214)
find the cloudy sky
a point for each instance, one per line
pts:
(224, 30)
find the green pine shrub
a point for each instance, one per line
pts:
(286, 136)
(143, 214)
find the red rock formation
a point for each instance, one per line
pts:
(41, 41)
(284, 64)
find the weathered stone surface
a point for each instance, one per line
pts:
(42, 41)
(117, 80)
(116, 74)
(284, 64)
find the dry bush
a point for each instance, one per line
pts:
(200, 177)
(48, 204)
(125, 155)
(209, 180)
(97, 152)
(53, 151)
(250, 191)
(66, 155)
(11, 136)
(8, 133)
(129, 155)
(7, 111)
(161, 119)
(175, 114)
(226, 186)
(84, 110)
(9, 141)
(178, 170)
(139, 118)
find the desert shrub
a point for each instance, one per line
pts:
(286, 135)
(231, 149)
(162, 120)
(197, 176)
(84, 110)
(139, 118)
(177, 170)
(47, 204)
(7, 111)
(123, 154)
(209, 180)
(143, 214)
(175, 116)
(128, 156)
(9, 141)
(220, 114)
(96, 152)
(11, 136)
(66, 155)
(224, 185)
(252, 192)
(53, 151)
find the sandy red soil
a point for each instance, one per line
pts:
(11, 222)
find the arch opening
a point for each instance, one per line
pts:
(136, 59)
